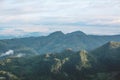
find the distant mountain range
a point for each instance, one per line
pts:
(31, 34)
(55, 42)
(102, 63)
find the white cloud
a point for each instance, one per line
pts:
(51, 15)
(9, 52)
(19, 31)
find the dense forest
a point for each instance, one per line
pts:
(103, 63)
(56, 42)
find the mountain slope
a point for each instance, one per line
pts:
(68, 65)
(108, 56)
(58, 41)
(61, 66)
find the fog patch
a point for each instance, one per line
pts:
(9, 52)
(20, 55)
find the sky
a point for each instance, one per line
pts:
(98, 17)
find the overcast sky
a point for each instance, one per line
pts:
(100, 17)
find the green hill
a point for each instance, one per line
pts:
(56, 42)
(102, 63)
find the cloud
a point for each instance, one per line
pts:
(18, 17)
(61, 7)
(21, 30)
(9, 52)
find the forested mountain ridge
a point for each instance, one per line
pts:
(56, 42)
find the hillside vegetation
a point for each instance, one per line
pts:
(102, 63)
(56, 42)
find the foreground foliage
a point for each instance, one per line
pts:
(100, 64)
